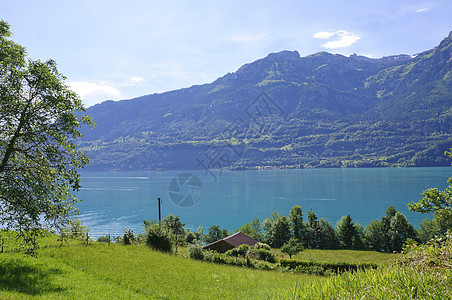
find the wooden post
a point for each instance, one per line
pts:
(87, 239)
(160, 210)
(3, 242)
(108, 239)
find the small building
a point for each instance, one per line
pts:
(231, 242)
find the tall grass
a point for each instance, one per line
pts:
(422, 272)
(393, 282)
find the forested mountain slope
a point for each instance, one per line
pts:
(322, 110)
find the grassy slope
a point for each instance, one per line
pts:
(100, 271)
(347, 256)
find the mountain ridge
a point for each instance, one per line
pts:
(336, 111)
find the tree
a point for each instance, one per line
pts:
(346, 232)
(312, 230)
(399, 231)
(175, 228)
(253, 229)
(279, 232)
(292, 247)
(158, 238)
(296, 222)
(199, 234)
(439, 203)
(267, 224)
(40, 120)
(390, 232)
(214, 234)
(326, 235)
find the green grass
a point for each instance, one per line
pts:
(100, 271)
(346, 256)
(393, 282)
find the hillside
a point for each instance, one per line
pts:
(322, 110)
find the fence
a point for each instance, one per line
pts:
(10, 242)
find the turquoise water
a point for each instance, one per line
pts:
(115, 200)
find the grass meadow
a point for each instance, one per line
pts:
(100, 271)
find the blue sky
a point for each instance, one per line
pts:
(124, 49)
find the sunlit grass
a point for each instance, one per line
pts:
(99, 271)
(346, 256)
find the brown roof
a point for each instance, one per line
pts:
(234, 240)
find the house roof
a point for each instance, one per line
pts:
(235, 240)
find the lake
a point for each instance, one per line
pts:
(115, 200)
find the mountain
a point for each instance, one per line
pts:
(322, 110)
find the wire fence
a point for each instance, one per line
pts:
(10, 242)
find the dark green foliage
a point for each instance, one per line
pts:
(158, 238)
(190, 237)
(215, 234)
(390, 232)
(320, 233)
(321, 268)
(279, 232)
(175, 228)
(349, 234)
(263, 254)
(296, 222)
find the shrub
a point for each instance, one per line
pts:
(104, 239)
(241, 250)
(262, 254)
(158, 238)
(195, 252)
(260, 245)
(232, 252)
(128, 237)
(190, 237)
(312, 267)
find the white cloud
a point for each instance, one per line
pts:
(344, 39)
(421, 10)
(324, 35)
(92, 93)
(136, 80)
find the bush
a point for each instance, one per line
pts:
(190, 237)
(158, 238)
(262, 254)
(241, 250)
(128, 237)
(195, 252)
(104, 239)
(320, 268)
(75, 229)
(260, 245)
